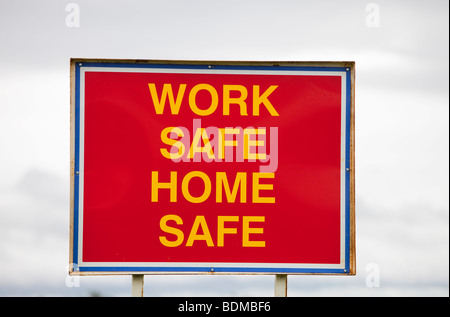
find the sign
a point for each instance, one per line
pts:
(212, 167)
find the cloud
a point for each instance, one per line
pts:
(34, 232)
(401, 128)
(409, 246)
(402, 147)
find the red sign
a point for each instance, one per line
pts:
(209, 167)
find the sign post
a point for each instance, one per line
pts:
(281, 285)
(137, 285)
(212, 168)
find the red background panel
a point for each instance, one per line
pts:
(122, 148)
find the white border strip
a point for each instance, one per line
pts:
(150, 265)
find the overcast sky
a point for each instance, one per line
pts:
(401, 50)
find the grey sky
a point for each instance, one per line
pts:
(402, 129)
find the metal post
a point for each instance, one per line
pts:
(281, 285)
(137, 285)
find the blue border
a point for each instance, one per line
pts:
(76, 168)
(348, 106)
(244, 270)
(212, 66)
(202, 269)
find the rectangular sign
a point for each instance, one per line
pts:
(212, 167)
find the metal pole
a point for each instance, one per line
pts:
(281, 285)
(137, 285)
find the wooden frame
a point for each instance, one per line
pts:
(350, 66)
